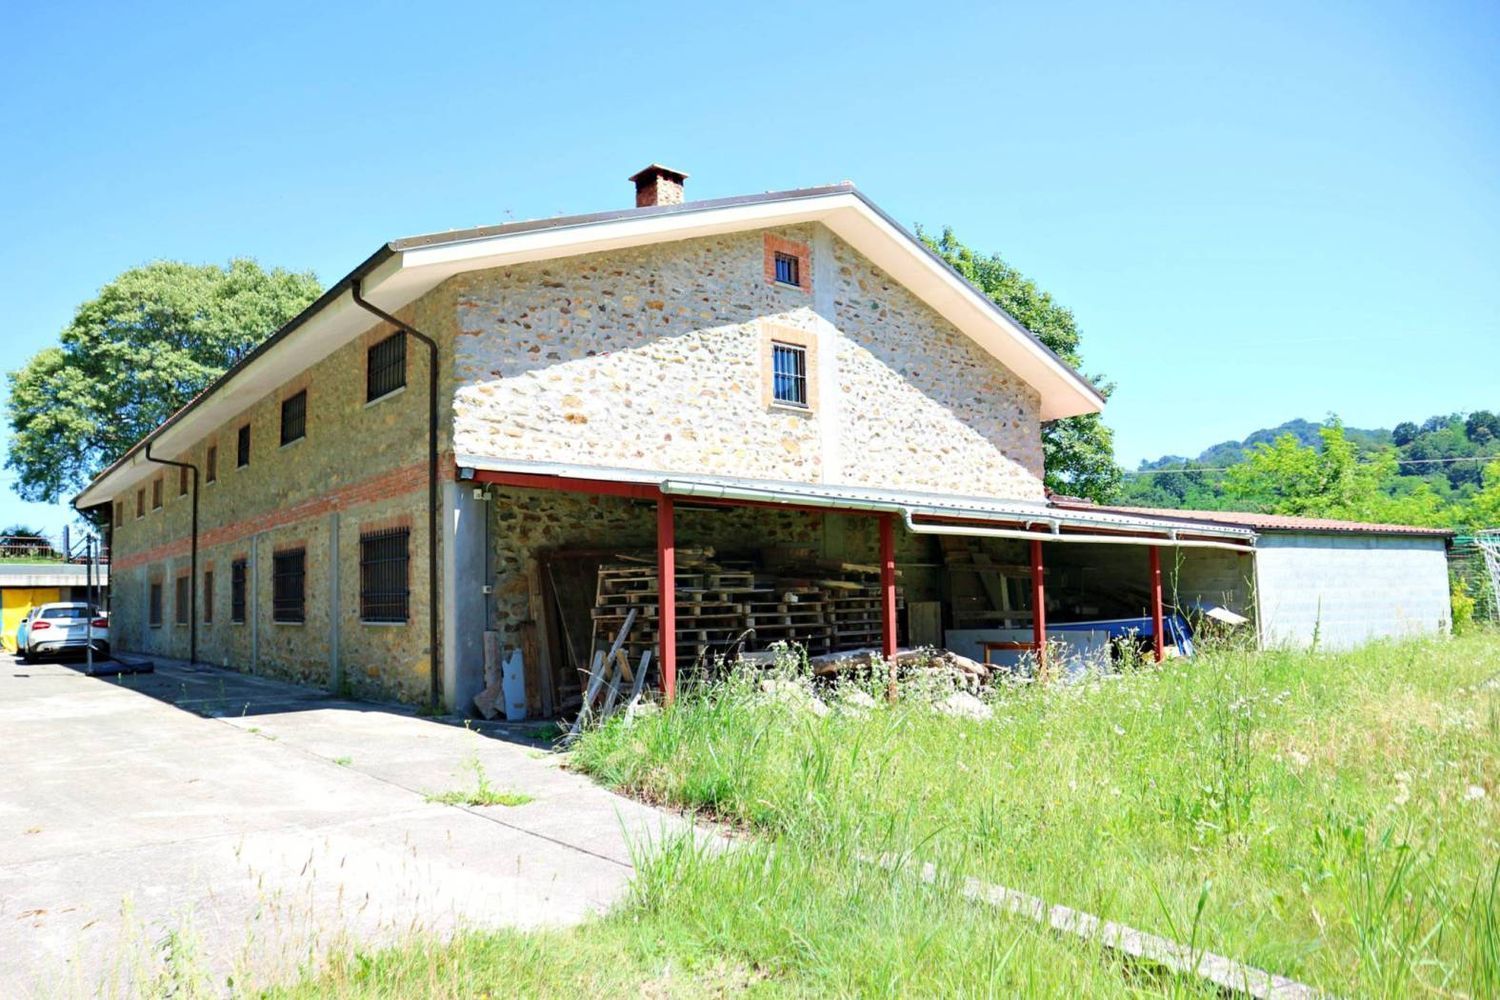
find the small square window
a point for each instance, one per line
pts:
(788, 269)
(789, 374)
(242, 448)
(294, 417)
(385, 367)
(156, 493)
(211, 464)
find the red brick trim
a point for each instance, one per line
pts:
(385, 524)
(399, 482)
(775, 244)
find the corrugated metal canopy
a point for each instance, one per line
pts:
(918, 508)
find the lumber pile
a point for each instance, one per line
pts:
(726, 606)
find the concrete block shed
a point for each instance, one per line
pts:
(1338, 584)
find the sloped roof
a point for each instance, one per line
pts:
(1266, 522)
(403, 270)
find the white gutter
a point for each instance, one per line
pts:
(1170, 541)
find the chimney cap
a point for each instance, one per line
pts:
(657, 170)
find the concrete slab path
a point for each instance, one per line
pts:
(262, 822)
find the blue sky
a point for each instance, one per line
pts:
(1257, 212)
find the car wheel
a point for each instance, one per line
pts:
(24, 655)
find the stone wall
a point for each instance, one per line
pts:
(653, 358)
(526, 524)
(360, 466)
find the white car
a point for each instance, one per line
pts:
(60, 627)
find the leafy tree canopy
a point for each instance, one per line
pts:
(1079, 450)
(145, 345)
(1437, 474)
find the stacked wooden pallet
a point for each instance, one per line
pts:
(854, 616)
(721, 607)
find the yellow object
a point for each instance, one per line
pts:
(15, 603)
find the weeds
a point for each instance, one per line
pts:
(482, 794)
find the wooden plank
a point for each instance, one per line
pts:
(924, 623)
(531, 669)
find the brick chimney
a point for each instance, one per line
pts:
(658, 185)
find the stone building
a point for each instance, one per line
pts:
(421, 476)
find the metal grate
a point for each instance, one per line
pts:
(789, 369)
(384, 571)
(289, 586)
(242, 447)
(237, 591)
(180, 600)
(155, 604)
(294, 417)
(208, 597)
(788, 269)
(385, 369)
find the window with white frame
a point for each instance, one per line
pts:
(789, 374)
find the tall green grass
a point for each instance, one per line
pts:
(1331, 817)
(1336, 814)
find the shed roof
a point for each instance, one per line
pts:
(1264, 522)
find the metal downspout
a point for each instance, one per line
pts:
(434, 647)
(193, 563)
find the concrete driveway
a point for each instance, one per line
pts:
(253, 823)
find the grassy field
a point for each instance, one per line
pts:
(1331, 817)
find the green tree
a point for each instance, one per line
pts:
(135, 353)
(1484, 510)
(1286, 477)
(1079, 450)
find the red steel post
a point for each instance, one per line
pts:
(1038, 605)
(1158, 641)
(888, 585)
(666, 572)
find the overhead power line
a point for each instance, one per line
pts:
(1226, 468)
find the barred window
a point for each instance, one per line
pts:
(237, 591)
(385, 366)
(211, 471)
(384, 570)
(789, 371)
(289, 586)
(242, 448)
(156, 493)
(155, 603)
(208, 597)
(294, 417)
(181, 599)
(182, 482)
